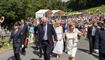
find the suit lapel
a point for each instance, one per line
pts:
(16, 33)
(41, 29)
(13, 32)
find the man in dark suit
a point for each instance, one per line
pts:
(91, 36)
(46, 33)
(100, 38)
(24, 35)
(15, 36)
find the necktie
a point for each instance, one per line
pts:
(44, 28)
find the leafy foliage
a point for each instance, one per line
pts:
(14, 10)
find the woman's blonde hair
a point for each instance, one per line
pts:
(58, 23)
(70, 25)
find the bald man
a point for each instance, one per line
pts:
(46, 33)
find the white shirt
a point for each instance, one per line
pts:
(45, 34)
(93, 31)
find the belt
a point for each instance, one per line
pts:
(45, 40)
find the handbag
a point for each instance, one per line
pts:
(26, 42)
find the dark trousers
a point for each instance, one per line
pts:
(91, 44)
(64, 46)
(101, 56)
(46, 49)
(40, 50)
(52, 48)
(23, 50)
(16, 53)
(17, 56)
(38, 45)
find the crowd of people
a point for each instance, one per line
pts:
(58, 36)
(4, 32)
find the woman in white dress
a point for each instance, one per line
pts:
(58, 49)
(72, 40)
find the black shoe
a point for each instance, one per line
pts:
(23, 53)
(90, 52)
(40, 56)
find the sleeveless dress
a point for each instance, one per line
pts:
(72, 40)
(58, 49)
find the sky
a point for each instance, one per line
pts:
(65, 0)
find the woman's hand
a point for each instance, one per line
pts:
(55, 42)
(2, 19)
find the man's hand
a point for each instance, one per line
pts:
(22, 46)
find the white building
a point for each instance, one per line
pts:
(41, 13)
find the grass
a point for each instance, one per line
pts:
(94, 10)
(5, 47)
(91, 10)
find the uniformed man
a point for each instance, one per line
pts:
(16, 37)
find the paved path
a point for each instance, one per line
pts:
(31, 54)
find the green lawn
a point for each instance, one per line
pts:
(5, 47)
(91, 10)
(94, 10)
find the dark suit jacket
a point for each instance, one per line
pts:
(24, 33)
(79, 27)
(35, 30)
(16, 38)
(50, 33)
(89, 36)
(89, 32)
(100, 37)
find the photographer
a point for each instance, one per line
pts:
(1, 21)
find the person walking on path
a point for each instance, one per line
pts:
(72, 40)
(58, 49)
(24, 35)
(46, 33)
(16, 37)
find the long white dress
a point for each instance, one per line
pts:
(72, 40)
(58, 49)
